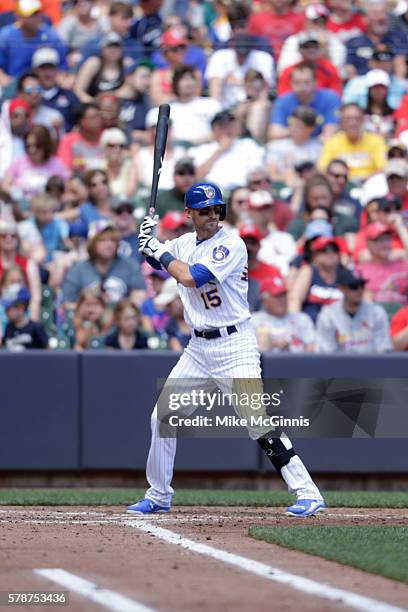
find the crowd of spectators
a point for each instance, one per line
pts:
(298, 109)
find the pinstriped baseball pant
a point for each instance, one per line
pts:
(221, 360)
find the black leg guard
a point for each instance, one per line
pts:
(276, 452)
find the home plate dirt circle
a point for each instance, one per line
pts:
(104, 550)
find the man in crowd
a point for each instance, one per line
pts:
(361, 48)
(45, 65)
(352, 325)
(20, 40)
(184, 178)
(306, 93)
(227, 159)
(364, 152)
(29, 89)
(277, 330)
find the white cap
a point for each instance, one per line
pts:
(26, 8)
(401, 8)
(167, 295)
(113, 136)
(259, 199)
(45, 55)
(377, 77)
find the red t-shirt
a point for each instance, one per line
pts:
(347, 29)
(20, 261)
(401, 115)
(327, 76)
(276, 28)
(399, 321)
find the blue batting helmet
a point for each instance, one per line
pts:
(203, 195)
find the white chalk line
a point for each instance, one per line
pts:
(298, 583)
(306, 585)
(105, 597)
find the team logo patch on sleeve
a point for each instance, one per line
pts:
(219, 253)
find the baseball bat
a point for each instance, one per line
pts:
(159, 150)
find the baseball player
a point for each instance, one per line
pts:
(210, 266)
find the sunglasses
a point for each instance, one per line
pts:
(355, 286)
(112, 145)
(33, 89)
(331, 248)
(124, 209)
(391, 209)
(206, 211)
(261, 181)
(177, 48)
(339, 175)
(185, 173)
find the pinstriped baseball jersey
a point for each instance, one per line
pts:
(223, 300)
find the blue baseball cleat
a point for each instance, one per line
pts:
(306, 507)
(145, 507)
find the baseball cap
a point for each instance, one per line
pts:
(16, 295)
(401, 8)
(377, 229)
(113, 136)
(322, 242)
(185, 165)
(377, 77)
(98, 227)
(318, 227)
(26, 8)
(173, 220)
(316, 11)
(78, 229)
(170, 40)
(8, 226)
(274, 286)
(159, 273)
(44, 56)
(350, 278)
(122, 203)
(168, 293)
(307, 37)
(112, 38)
(396, 167)
(260, 199)
(395, 143)
(224, 116)
(383, 54)
(251, 231)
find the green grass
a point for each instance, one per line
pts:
(378, 549)
(192, 497)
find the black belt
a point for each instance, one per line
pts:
(211, 334)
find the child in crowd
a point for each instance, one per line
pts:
(21, 333)
(90, 321)
(127, 335)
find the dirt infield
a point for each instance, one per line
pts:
(109, 548)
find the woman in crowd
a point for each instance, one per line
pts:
(174, 49)
(120, 167)
(116, 276)
(103, 73)
(127, 335)
(317, 284)
(319, 194)
(379, 116)
(28, 174)
(11, 257)
(99, 205)
(90, 322)
(237, 213)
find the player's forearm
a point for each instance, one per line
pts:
(181, 272)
